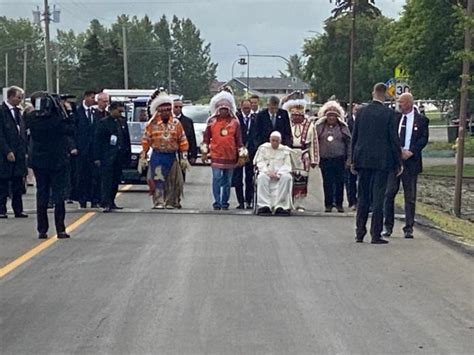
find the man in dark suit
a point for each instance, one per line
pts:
(273, 119)
(248, 130)
(375, 152)
(188, 126)
(413, 132)
(88, 188)
(50, 128)
(351, 179)
(110, 151)
(13, 150)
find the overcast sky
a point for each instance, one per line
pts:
(276, 27)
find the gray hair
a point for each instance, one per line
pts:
(273, 100)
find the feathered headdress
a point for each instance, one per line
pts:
(295, 106)
(331, 106)
(158, 98)
(224, 99)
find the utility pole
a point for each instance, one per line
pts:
(57, 75)
(6, 69)
(248, 65)
(169, 73)
(463, 113)
(25, 60)
(351, 57)
(125, 57)
(47, 48)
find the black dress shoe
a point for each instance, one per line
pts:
(216, 208)
(264, 210)
(83, 204)
(249, 206)
(386, 233)
(3, 216)
(94, 205)
(328, 209)
(359, 240)
(379, 241)
(340, 209)
(408, 235)
(240, 206)
(63, 235)
(21, 215)
(107, 210)
(115, 207)
(42, 236)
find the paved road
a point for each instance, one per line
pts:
(147, 282)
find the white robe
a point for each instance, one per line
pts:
(274, 193)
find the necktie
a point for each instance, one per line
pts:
(89, 115)
(273, 120)
(403, 131)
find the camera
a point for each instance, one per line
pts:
(46, 105)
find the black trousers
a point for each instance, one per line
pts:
(88, 180)
(110, 176)
(351, 187)
(371, 191)
(408, 181)
(15, 185)
(238, 183)
(333, 172)
(50, 182)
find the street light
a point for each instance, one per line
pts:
(248, 63)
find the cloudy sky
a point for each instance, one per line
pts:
(276, 27)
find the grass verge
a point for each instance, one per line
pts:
(457, 227)
(448, 170)
(468, 147)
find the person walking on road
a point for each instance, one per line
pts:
(375, 152)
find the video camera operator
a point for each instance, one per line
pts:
(50, 127)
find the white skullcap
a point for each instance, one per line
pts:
(275, 134)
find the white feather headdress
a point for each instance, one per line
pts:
(300, 104)
(158, 98)
(223, 99)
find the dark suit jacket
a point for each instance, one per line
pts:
(12, 140)
(249, 136)
(107, 153)
(85, 131)
(375, 141)
(419, 139)
(50, 140)
(127, 150)
(265, 128)
(188, 126)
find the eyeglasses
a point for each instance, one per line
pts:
(178, 106)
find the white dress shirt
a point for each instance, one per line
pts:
(408, 130)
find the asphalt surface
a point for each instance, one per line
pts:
(195, 282)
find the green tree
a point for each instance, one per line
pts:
(426, 42)
(163, 56)
(294, 68)
(13, 36)
(192, 68)
(363, 7)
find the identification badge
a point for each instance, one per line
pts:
(113, 140)
(224, 132)
(330, 138)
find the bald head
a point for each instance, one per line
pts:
(405, 102)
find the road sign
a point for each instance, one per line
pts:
(401, 87)
(400, 72)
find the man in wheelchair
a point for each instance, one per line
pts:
(274, 179)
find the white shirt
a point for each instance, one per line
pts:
(408, 130)
(13, 112)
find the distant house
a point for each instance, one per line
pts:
(215, 86)
(266, 87)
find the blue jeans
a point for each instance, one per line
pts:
(221, 183)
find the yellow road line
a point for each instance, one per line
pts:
(39, 248)
(46, 244)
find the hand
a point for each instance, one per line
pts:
(348, 165)
(406, 154)
(204, 158)
(11, 157)
(353, 170)
(97, 163)
(74, 152)
(184, 164)
(400, 170)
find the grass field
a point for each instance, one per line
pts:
(460, 228)
(448, 170)
(468, 148)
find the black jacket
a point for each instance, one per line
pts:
(419, 139)
(375, 142)
(107, 151)
(50, 140)
(85, 131)
(12, 140)
(188, 126)
(249, 134)
(265, 128)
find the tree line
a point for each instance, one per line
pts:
(93, 59)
